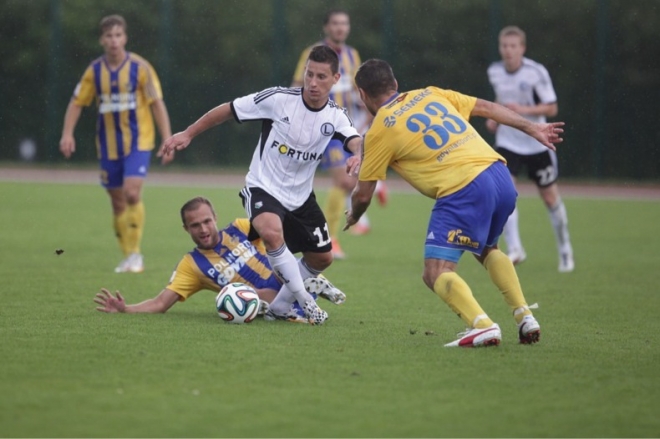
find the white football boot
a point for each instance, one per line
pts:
(291, 316)
(529, 330)
(314, 314)
(566, 262)
(322, 287)
(122, 267)
(517, 255)
(134, 263)
(472, 338)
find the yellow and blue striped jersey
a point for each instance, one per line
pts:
(425, 136)
(123, 97)
(344, 92)
(236, 258)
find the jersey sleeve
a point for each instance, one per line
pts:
(463, 103)
(242, 224)
(491, 79)
(185, 280)
(376, 157)
(544, 89)
(152, 88)
(299, 74)
(344, 129)
(255, 106)
(85, 91)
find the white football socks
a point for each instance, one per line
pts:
(512, 233)
(285, 297)
(559, 221)
(287, 270)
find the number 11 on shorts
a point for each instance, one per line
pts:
(324, 239)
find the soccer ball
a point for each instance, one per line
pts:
(237, 303)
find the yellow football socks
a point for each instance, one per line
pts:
(334, 210)
(120, 225)
(453, 290)
(134, 226)
(503, 274)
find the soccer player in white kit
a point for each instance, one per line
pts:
(297, 126)
(524, 86)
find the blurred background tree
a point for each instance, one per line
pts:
(603, 56)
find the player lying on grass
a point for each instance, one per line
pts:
(233, 254)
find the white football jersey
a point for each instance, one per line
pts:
(529, 85)
(292, 142)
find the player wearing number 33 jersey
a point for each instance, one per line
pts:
(426, 137)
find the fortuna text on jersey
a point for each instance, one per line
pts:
(294, 154)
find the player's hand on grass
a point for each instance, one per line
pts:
(110, 303)
(353, 165)
(548, 133)
(177, 142)
(67, 146)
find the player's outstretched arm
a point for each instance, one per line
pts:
(547, 133)
(68, 142)
(179, 141)
(110, 303)
(549, 110)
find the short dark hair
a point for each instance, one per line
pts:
(331, 13)
(375, 77)
(326, 55)
(194, 204)
(111, 21)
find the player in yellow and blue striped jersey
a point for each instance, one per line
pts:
(232, 254)
(126, 90)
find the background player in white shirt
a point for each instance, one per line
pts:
(524, 86)
(297, 126)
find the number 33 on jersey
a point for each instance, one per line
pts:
(431, 142)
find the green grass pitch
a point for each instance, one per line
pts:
(69, 371)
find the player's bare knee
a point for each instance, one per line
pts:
(132, 196)
(430, 275)
(434, 268)
(342, 180)
(117, 201)
(550, 195)
(272, 238)
(428, 280)
(318, 261)
(348, 184)
(484, 254)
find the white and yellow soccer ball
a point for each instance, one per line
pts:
(237, 303)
